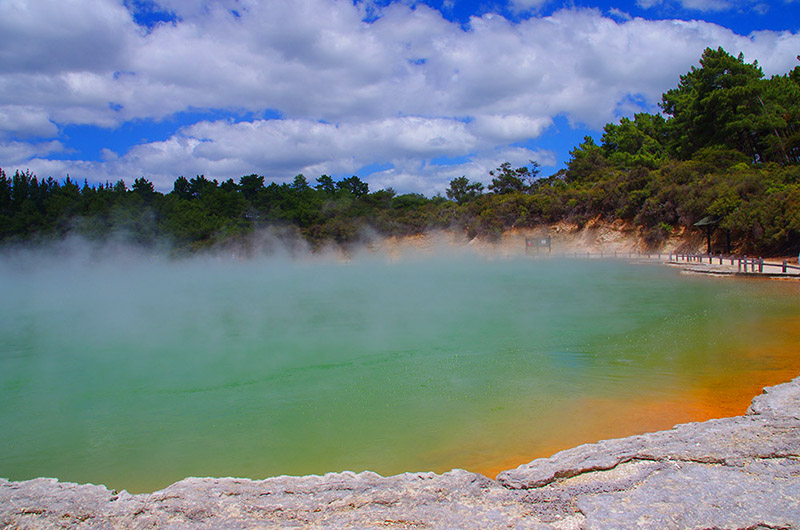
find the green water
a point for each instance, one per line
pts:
(136, 372)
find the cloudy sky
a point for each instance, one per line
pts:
(405, 94)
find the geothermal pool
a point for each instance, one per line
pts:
(135, 372)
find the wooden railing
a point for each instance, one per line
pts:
(743, 263)
(612, 254)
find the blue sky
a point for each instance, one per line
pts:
(403, 94)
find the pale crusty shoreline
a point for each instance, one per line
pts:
(734, 473)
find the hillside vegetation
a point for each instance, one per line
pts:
(725, 148)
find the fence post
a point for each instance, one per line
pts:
(784, 266)
(760, 264)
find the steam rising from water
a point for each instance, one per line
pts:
(136, 370)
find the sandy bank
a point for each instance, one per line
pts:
(594, 240)
(594, 237)
(740, 472)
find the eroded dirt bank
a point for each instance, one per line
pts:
(566, 238)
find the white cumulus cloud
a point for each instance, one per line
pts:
(403, 89)
(25, 121)
(19, 153)
(527, 5)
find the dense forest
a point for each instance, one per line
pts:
(725, 147)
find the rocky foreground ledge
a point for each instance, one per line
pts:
(731, 473)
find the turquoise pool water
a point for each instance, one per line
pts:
(135, 372)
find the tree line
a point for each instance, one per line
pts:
(725, 146)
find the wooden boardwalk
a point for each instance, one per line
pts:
(693, 262)
(738, 265)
